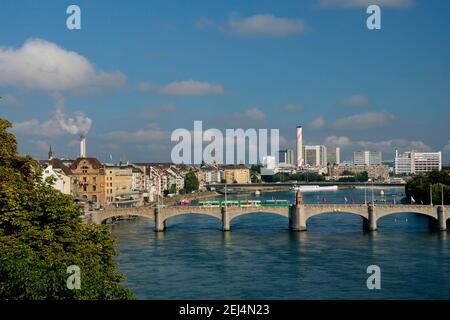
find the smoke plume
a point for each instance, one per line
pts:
(80, 124)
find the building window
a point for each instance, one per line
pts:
(94, 198)
(94, 188)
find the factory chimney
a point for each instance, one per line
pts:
(299, 147)
(82, 146)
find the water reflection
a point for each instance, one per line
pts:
(260, 259)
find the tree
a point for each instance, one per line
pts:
(191, 182)
(41, 234)
(173, 189)
(419, 187)
(255, 168)
(362, 177)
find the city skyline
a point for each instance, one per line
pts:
(233, 65)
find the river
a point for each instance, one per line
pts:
(261, 259)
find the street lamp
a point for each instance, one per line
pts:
(431, 194)
(371, 180)
(225, 194)
(365, 193)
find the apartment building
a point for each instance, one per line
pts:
(90, 180)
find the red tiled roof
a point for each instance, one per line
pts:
(93, 161)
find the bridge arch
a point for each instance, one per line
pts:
(235, 215)
(167, 216)
(363, 215)
(100, 217)
(414, 212)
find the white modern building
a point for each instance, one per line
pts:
(315, 156)
(333, 155)
(290, 160)
(269, 162)
(367, 158)
(417, 162)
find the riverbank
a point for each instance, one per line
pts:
(191, 196)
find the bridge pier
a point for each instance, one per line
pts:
(297, 219)
(371, 223)
(442, 218)
(160, 225)
(225, 219)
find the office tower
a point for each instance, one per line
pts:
(367, 157)
(333, 155)
(290, 157)
(315, 156)
(417, 162)
(282, 156)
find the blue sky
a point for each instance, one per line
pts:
(141, 69)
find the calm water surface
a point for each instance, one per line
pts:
(261, 259)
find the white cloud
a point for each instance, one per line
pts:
(9, 100)
(365, 3)
(265, 25)
(34, 127)
(247, 119)
(385, 146)
(391, 145)
(183, 88)
(356, 100)
(318, 123)
(291, 107)
(43, 65)
(255, 113)
(334, 141)
(368, 120)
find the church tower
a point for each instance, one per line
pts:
(50, 153)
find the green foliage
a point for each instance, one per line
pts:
(354, 177)
(419, 187)
(362, 177)
(41, 234)
(191, 182)
(300, 176)
(255, 168)
(173, 189)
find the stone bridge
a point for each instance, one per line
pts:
(297, 214)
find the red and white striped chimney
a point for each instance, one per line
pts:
(82, 146)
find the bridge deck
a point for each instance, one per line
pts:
(309, 210)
